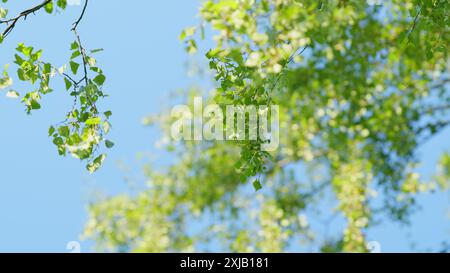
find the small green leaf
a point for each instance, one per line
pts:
(106, 127)
(51, 131)
(64, 131)
(108, 114)
(75, 54)
(96, 50)
(257, 185)
(93, 121)
(35, 105)
(68, 84)
(109, 144)
(49, 7)
(100, 79)
(61, 3)
(3, 12)
(187, 32)
(5, 82)
(74, 46)
(91, 61)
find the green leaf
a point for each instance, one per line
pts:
(68, 84)
(91, 61)
(74, 46)
(62, 4)
(187, 32)
(75, 139)
(3, 12)
(74, 67)
(106, 127)
(51, 131)
(75, 54)
(96, 50)
(96, 69)
(191, 46)
(49, 7)
(64, 131)
(5, 82)
(257, 185)
(93, 121)
(108, 114)
(96, 164)
(35, 105)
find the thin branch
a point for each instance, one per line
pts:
(13, 21)
(80, 45)
(437, 127)
(75, 25)
(83, 55)
(415, 21)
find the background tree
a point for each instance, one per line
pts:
(360, 88)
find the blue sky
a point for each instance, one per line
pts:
(43, 197)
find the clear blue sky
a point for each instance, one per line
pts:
(43, 196)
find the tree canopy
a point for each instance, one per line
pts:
(360, 88)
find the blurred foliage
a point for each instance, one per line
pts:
(360, 88)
